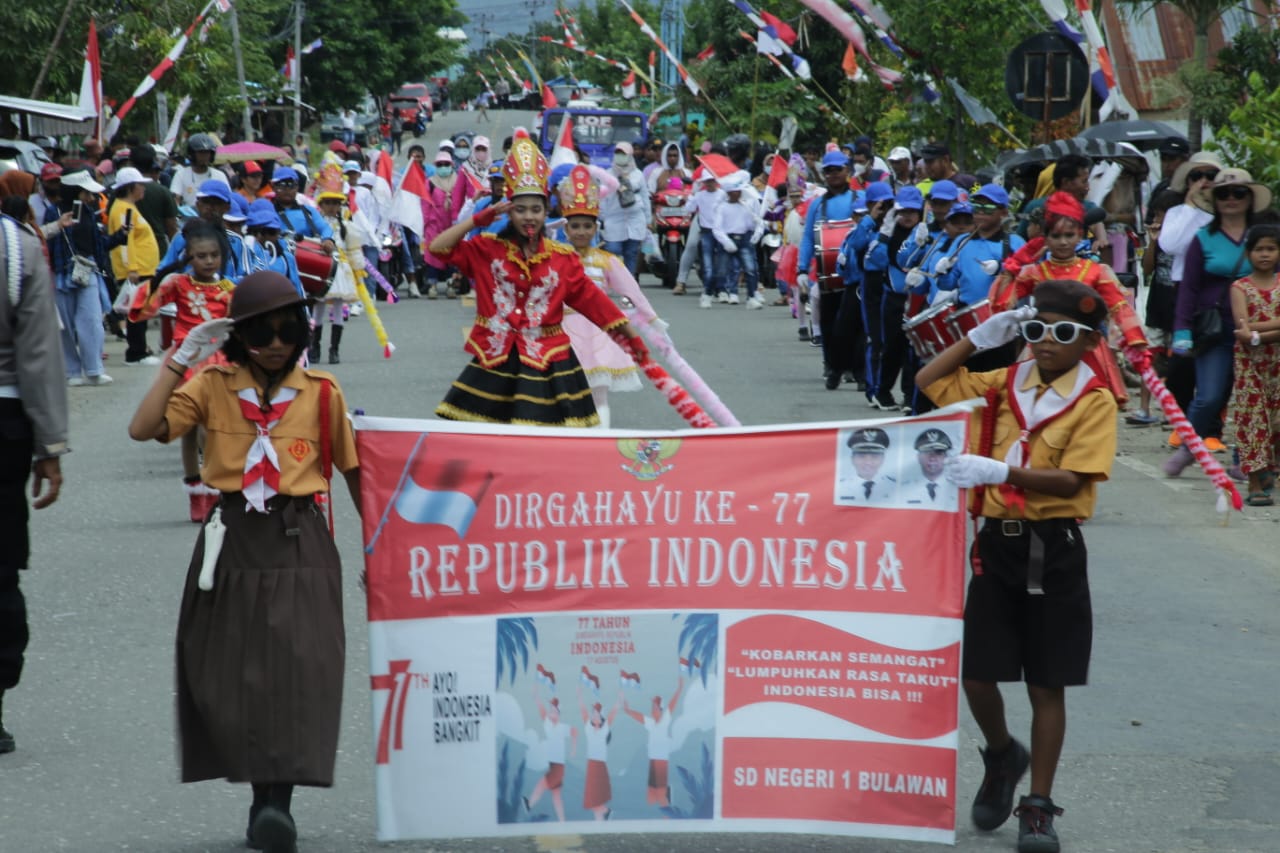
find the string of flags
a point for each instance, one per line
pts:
(688, 80)
(1102, 73)
(585, 52)
(774, 37)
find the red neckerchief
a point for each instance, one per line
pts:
(262, 465)
(1037, 414)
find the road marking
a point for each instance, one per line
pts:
(1135, 464)
(558, 843)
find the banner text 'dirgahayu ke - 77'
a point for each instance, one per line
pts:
(752, 630)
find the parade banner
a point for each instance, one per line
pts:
(737, 630)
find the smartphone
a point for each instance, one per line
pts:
(128, 219)
(78, 209)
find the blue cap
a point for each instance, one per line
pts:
(835, 158)
(909, 198)
(239, 208)
(262, 214)
(558, 174)
(944, 191)
(960, 208)
(351, 166)
(860, 201)
(879, 191)
(495, 170)
(283, 173)
(993, 193)
(213, 188)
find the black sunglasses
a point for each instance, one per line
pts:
(1198, 175)
(259, 332)
(1222, 193)
(286, 183)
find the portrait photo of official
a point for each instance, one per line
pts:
(866, 474)
(923, 485)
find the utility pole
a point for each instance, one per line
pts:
(672, 21)
(244, 92)
(299, 9)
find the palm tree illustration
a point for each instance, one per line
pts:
(514, 638)
(700, 639)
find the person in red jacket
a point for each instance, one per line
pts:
(523, 370)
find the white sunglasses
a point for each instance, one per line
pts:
(1063, 331)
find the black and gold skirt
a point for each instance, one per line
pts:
(515, 393)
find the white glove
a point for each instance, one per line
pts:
(841, 259)
(203, 341)
(1000, 328)
(944, 266)
(990, 267)
(921, 234)
(915, 278)
(890, 222)
(727, 244)
(802, 280)
(968, 470)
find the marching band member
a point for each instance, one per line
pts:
(523, 369)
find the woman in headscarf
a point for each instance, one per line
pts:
(624, 215)
(447, 192)
(672, 166)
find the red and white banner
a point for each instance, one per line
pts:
(740, 630)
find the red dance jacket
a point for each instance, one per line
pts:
(521, 301)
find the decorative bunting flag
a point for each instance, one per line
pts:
(156, 73)
(774, 37)
(648, 30)
(629, 86)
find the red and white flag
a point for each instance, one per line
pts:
(406, 204)
(629, 86)
(91, 79)
(563, 154)
(548, 98)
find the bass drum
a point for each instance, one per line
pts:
(316, 267)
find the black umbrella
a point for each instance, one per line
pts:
(1096, 149)
(1139, 132)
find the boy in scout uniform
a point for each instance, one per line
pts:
(1052, 429)
(866, 485)
(933, 490)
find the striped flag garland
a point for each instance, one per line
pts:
(774, 36)
(159, 71)
(585, 52)
(648, 30)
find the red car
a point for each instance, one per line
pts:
(409, 97)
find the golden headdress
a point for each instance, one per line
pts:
(579, 195)
(329, 183)
(525, 169)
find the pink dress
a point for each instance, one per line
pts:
(440, 210)
(604, 362)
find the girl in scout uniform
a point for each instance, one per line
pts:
(523, 368)
(260, 641)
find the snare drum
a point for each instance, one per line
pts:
(316, 267)
(964, 320)
(828, 238)
(928, 331)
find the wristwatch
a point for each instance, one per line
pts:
(49, 451)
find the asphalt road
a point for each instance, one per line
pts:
(1171, 748)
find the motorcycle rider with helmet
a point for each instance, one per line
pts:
(187, 179)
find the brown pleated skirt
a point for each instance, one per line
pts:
(260, 656)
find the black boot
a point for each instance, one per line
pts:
(259, 801)
(313, 351)
(273, 829)
(6, 739)
(335, 341)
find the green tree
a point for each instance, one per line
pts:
(1196, 74)
(1248, 139)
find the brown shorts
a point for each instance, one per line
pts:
(554, 776)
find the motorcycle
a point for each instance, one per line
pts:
(672, 219)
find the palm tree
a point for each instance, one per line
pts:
(1202, 14)
(514, 638)
(700, 640)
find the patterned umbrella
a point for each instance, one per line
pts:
(241, 152)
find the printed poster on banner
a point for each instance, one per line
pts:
(740, 630)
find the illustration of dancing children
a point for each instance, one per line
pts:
(658, 727)
(598, 729)
(555, 731)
